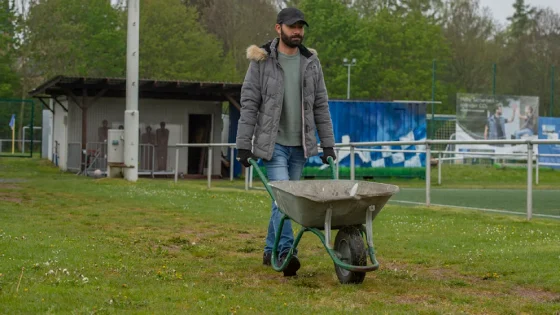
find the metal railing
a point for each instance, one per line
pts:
(23, 137)
(16, 142)
(354, 147)
(429, 143)
(210, 147)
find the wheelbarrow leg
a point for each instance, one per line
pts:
(369, 235)
(328, 217)
(274, 258)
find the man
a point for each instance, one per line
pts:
(495, 128)
(528, 124)
(284, 102)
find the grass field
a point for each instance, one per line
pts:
(71, 244)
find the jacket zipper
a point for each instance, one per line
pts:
(303, 85)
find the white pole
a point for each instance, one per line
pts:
(246, 178)
(439, 169)
(352, 164)
(529, 181)
(428, 172)
(537, 170)
(231, 160)
(209, 168)
(348, 90)
(131, 114)
(176, 163)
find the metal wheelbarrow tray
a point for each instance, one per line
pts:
(308, 202)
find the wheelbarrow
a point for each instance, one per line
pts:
(348, 206)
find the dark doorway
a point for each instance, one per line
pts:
(200, 127)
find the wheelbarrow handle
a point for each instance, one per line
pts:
(330, 160)
(255, 165)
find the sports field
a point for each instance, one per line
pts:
(71, 244)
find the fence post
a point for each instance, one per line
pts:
(23, 140)
(529, 180)
(352, 163)
(246, 178)
(176, 163)
(231, 160)
(439, 169)
(153, 159)
(209, 167)
(537, 169)
(428, 172)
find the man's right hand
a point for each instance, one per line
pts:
(243, 157)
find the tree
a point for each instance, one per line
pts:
(475, 45)
(9, 81)
(522, 19)
(75, 37)
(173, 45)
(228, 20)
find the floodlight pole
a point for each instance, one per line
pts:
(131, 114)
(349, 65)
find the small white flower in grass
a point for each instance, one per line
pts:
(65, 271)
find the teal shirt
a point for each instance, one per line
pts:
(289, 130)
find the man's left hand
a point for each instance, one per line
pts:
(326, 153)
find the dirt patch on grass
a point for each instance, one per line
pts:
(9, 198)
(9, 186)
(537, 295)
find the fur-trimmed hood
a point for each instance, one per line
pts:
(256, 53)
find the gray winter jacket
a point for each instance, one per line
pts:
(262, 97)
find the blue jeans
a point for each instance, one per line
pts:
(286, 164)
(523, 132)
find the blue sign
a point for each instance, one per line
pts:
(363, 121)
(549, 128)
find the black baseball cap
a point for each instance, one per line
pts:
(290, 16)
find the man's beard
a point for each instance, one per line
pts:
(291, 42)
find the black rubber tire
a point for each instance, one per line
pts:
(351, 249)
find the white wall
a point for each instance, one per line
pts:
(60, 134)
(175, 113)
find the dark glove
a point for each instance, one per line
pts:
(243, 157)
(326, 153)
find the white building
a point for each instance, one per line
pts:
(191, 113)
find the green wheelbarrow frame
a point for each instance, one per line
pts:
(326, 237)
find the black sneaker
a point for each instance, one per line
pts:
(292, 267)
(267, 258)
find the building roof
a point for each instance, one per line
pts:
(160, 89)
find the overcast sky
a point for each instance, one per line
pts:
(501, 9)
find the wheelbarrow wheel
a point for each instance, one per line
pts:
(351, 250)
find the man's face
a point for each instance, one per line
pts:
(291, 35)
(499, 111)
(527, 110)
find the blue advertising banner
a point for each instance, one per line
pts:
(362, 121)
(549, 128)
